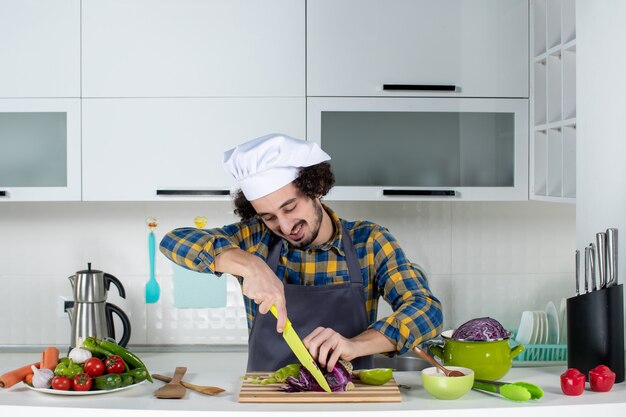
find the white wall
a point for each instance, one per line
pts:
(494, 259)
(601, 139)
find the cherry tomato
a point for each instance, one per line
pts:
(601, 378)
(115, 364)
(61, 383)
(573, 382)
(94, 367)
(82, 382)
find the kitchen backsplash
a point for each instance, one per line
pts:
(483, 259)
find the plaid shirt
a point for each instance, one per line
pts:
(386, 271)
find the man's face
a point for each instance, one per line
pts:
(291, 215)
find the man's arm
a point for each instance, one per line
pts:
(259, 281)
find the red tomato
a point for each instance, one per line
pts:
(573, 382)
(115, 364)
(601, 378)
(94, 367)
(82, 382)
(62, 383)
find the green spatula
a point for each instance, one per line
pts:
(514, 391)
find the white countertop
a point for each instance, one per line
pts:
(225, 369)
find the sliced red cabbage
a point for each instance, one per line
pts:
(480, 329)
(338, 380)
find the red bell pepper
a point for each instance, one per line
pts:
(573, 382)
(601, 378)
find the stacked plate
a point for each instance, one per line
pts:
(540, 327)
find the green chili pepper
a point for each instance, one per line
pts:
(129, 357)
(92, 344)
(108, 381)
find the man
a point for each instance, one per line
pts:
(294, 252)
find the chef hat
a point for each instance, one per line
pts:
(265, 164)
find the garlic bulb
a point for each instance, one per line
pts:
(42, 377)
(79, 355)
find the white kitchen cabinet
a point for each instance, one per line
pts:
(553, 101)
(39, 48)
(355, 47)
(172, 149)
(40, 150)
(193, 48)
(394, 149)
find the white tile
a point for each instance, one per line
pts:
(500, 237)
(504, 296)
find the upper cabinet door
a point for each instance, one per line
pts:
(39, 48)
(473, 48)
(193, 48)
(40, 149)
(168, 149)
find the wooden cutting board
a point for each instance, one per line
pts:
(362, 393)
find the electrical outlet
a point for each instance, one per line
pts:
(61, 313)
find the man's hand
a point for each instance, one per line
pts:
(327, 346)
(260, 284)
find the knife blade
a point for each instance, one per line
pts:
(301, 352)
(611, 257)
(587, 253)
(577, 272)
(601, 251)
(592, 266)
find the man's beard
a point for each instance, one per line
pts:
(315, 230)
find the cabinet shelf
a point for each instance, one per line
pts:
(553, 100)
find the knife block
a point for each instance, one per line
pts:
(595, 331)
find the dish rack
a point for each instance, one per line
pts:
(540, 353)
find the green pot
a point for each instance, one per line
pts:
(489, 360)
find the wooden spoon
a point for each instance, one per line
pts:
(173, 389)
(432, 361)
(200, 388)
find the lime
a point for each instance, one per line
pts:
(376, 376)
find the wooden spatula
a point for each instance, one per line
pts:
(173, 389)
(208, 390)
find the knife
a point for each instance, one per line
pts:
(601, 247)
(577, 272)
(592, 266)
(611, 257)
(587, 253)
(301, 352)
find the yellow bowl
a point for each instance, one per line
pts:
(447, 387)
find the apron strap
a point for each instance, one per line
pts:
(351, 257)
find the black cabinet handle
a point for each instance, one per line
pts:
(436, 193)
(419, 87)
(3, 193)
(192, 192)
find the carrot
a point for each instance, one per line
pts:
(13, 377)
(50, 358)
(28, 379)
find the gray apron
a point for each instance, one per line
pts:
(340, 307)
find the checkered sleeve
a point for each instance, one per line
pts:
(196, 249)
(417, 312)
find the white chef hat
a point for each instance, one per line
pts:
(265, 164)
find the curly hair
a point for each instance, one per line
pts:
(314, 181)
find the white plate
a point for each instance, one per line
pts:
(563, 321)
(70, 393)
(525, 328)
(544, 327)
(554, 329)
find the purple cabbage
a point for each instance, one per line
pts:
(339, 379)
(480, 330)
